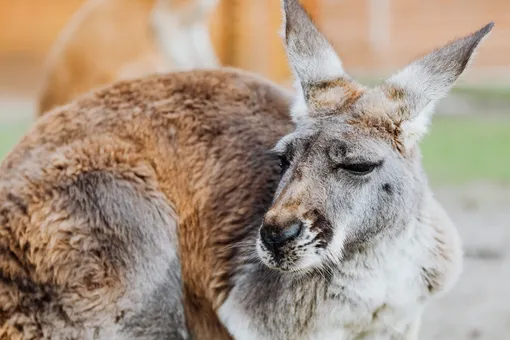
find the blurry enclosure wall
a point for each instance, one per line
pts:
(373, 36)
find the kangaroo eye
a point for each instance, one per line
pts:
(284, 164)
(359, 168)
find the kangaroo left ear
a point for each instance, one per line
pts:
(420, 85)
(322, 84)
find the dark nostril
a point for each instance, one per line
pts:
(274, 237)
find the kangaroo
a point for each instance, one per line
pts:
(153, 209)
(109, 40)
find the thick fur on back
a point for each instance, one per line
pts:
(109, 40)
(91, 197)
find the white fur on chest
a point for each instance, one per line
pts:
(381, 298)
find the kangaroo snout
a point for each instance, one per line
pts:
(274, 236)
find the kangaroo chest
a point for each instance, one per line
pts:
(380, 302)
(371, 308)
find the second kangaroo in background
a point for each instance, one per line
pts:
(109, 40)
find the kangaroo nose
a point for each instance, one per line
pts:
(273, 237)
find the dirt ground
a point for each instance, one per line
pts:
(479, 306)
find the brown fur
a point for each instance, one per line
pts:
(394, 93)
(380, 127)
(172, 136)
(334, 95)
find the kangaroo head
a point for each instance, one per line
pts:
(351, 170)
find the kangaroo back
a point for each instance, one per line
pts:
(91, 198)
(108, 40)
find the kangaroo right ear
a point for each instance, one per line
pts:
(416, 88)
(322, 84)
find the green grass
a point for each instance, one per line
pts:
(463, 149)
(457, 150)
(10, 134)
(483, 93)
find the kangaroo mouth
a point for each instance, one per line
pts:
(299, 251)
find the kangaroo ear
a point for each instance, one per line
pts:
(321, 82)
(416, 88)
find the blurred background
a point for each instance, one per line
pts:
(467, 153)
